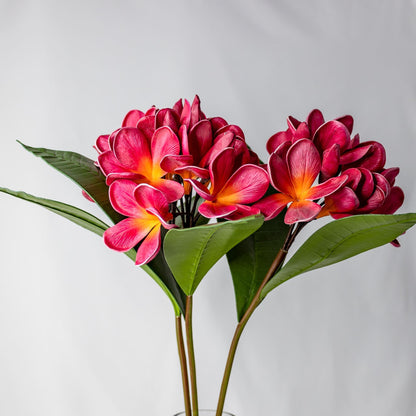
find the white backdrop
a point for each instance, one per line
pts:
(84, 332)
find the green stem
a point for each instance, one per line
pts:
(240, 327)
(184, 369)
(191, 355)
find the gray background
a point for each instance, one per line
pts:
(84, 332)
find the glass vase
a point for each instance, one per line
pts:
(205, 412)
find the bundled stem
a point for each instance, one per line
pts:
(184, 369)
(191, 355)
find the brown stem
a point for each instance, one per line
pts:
(184, 369)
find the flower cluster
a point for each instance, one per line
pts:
(161, 162)
(168, 167)
(352, 178)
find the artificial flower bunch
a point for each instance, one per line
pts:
(182, 190)
(161, 162)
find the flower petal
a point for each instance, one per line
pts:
(215, 210)
(277, 139)
(392, 203)
(121, 195)
(301, 211)
(330, 133)
(347, 121)
(200, 189)
(330, 162)
(164, 142)
(132, 117)
(149, 248)
(326, 188)
(221, 169)
(247, 185)
(172, 190)
(279, 174)
(131, 148)
(127, 233)
(102, 144)
(304, 164)
(200, 139)
(272, 205)
(315, 120)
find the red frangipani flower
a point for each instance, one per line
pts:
(293, 169)
(146, 210)
(232, 187)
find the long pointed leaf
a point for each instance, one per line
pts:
(76, 215)
(92, 223)
(340, 240)
(250, 260)
(84, 173)
(191, 252)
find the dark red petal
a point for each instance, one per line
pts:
(217, 123)
(347, 121)
(344, 200)
(355, 154)
(392, 203)
(221, 169)
(302, 132)
(374, 159)
(292, 123)
(390, 174)
(178, 107)
(277, 139)
(315, 120)
(242, 211)
(279, 174)
(196, 113)
(200, 139)
(330, 162)
(330, 133)
(222, 141)
(366, 186)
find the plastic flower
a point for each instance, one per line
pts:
(132, 156)
(147, 210)
(232, 186)
(293, 170)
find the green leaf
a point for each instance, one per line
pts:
(76, 215)
(250, 260)
(80, 217)
(340, 240)
(84, 173)
(191, 252)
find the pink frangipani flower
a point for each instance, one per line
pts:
(232, 187)
(133, 157)
(293, 170)
(146, 210)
